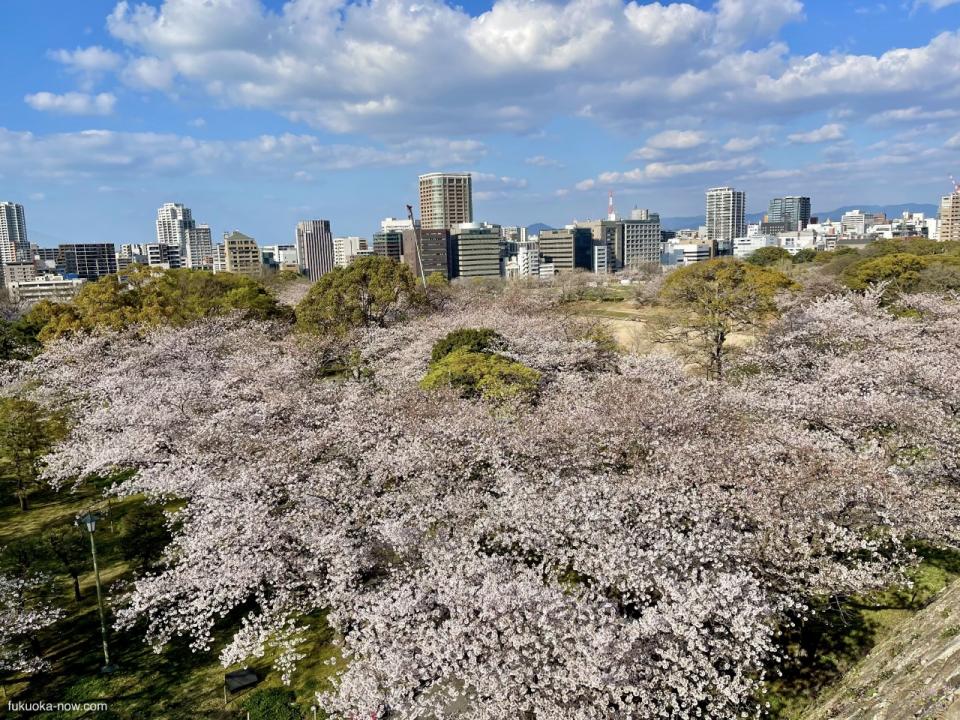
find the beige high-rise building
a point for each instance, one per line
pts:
(241, 254)
(446, 199)
(950, 217)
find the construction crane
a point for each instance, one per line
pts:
(416, 234)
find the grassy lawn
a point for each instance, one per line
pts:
(176, 683)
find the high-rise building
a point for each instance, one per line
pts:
(241, 254)
(567, 248)
(89, 260)
(446, 199)
(726, 217)
(792, 210)
(608, 232)
(346, 249)
(950, 217)
(477, 249)
(176, 228)
(641, 238)
(435, 252)
(198, 248)
(14, 246)
(388, 243)
(314, 247)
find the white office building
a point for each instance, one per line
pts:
(347, 248)
(14, 246)
(745, 246)
(726, 216)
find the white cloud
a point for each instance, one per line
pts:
(832, 131)
(954, 142)
(738, 144)
(89, 59)
(72, 103)
(149, 73)
(936, 4)
(113, 155)
(543, 161)
(677, 140)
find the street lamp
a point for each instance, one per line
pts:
(89, 520)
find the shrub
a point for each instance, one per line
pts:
(473, 339)
(273, 703)
(766, 256)
(484, 375)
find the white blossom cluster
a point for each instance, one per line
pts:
(628, 543)
(22, 616)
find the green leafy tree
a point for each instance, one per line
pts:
(145, 535)
(472, 339)
(370, 291)
(70, 548)
(717, 298)
(150, 296)
(804, 256)
(27, 433)
(484, 375)
(766, 256)
(273, 703)
(900, 270)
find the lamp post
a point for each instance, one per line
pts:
(89, 520)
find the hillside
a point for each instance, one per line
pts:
(914, 673)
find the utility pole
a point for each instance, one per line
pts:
(416, 234)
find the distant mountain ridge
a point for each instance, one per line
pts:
(695, 221)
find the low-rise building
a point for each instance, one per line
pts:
(17, 272)
(56, 288)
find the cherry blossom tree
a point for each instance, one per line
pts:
(631, 543)
(22, 615)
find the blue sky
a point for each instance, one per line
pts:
(257, 113)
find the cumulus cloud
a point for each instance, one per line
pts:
(351, 58)
(832, 131)
(88, 59)
(72, 103)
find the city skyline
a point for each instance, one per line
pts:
(124, 106)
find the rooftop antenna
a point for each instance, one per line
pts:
(416, 234)
(611, 213)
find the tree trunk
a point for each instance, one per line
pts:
(76, 588)
(22, 497)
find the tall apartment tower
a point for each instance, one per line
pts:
(315, 247)
(446, 199)
(176, 228)
(14, 246)
(726, 217)
(950, 217)
(793, 211)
